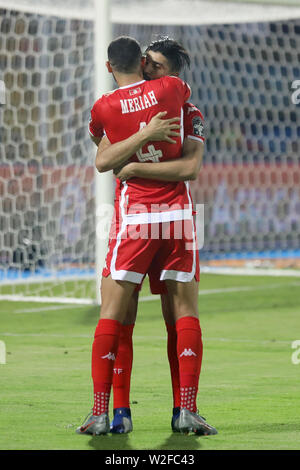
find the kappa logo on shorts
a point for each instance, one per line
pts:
(188, 352)
(110, 356)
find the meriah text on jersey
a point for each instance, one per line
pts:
(139, 103)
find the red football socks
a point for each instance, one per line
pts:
(104, 352)
(123, 367)
(173, 363)
(112, 356)
(189, 353)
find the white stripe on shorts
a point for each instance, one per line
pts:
(182, 276)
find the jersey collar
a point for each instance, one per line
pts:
(132, 84)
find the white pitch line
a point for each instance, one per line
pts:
(226, 290)
(251, 271)
(43, 335)
(254, 341)
(71, 302)
(47, 309)
(137, 337)
(228, 340)
(52, 300)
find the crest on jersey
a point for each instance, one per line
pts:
(135, 91)
(198, 127)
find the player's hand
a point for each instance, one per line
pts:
(126, 172)
(160, 129)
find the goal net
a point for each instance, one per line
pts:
(47, 187)
(242, 78)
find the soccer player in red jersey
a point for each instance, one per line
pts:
(164, 56)
(116, 295)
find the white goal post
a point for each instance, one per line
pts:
(104, 181)
(98, 14)
(52, 68)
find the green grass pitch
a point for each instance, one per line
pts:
(248, 390)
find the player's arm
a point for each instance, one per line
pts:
(110, 156)
(182, 169)
(95, 139)
(113, 156)
(96, 130)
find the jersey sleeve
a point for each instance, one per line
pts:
(193, 123)
(95, 124)
(180, 87)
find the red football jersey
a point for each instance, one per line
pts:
(123, 112)
(193, 124)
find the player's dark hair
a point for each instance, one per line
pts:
(174, 52)
(124, 54)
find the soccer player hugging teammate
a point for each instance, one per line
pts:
(137, 129)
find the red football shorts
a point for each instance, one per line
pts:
(164, 250)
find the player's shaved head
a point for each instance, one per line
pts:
(124, 54)
(174, 52)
